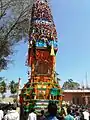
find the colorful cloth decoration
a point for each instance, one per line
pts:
(52, 51)
(55, 92)
(42, 25)
(41, 44)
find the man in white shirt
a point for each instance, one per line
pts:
(86, 114)
(12, 114)
(32, 115)
(1, 113)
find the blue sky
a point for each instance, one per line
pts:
(72, 19)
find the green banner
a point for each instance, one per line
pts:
(55, 92)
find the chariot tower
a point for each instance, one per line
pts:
(42, 85)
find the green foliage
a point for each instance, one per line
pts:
(57, 79)
(14, 25)
(2, 85)
(70, 85)
(14, 100)
(13, 87)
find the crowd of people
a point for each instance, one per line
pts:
(8, 112)
(70, 112)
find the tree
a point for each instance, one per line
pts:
(2, 86)
(13, 87)
(71, 85)
(14, 22)
(57, 79)
(15, 18)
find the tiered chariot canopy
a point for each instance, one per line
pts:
(42, 29)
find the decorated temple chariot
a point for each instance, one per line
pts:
(42, 86)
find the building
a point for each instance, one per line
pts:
(80, 97)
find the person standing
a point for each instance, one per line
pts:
(52, 109)
(42, 117)
(12, 114)
(32, 115)
(69, 116)
(86, 114)
(77, 117)
(1, 113)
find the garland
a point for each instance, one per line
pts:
(42, 25)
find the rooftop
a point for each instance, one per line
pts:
(75, 91)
